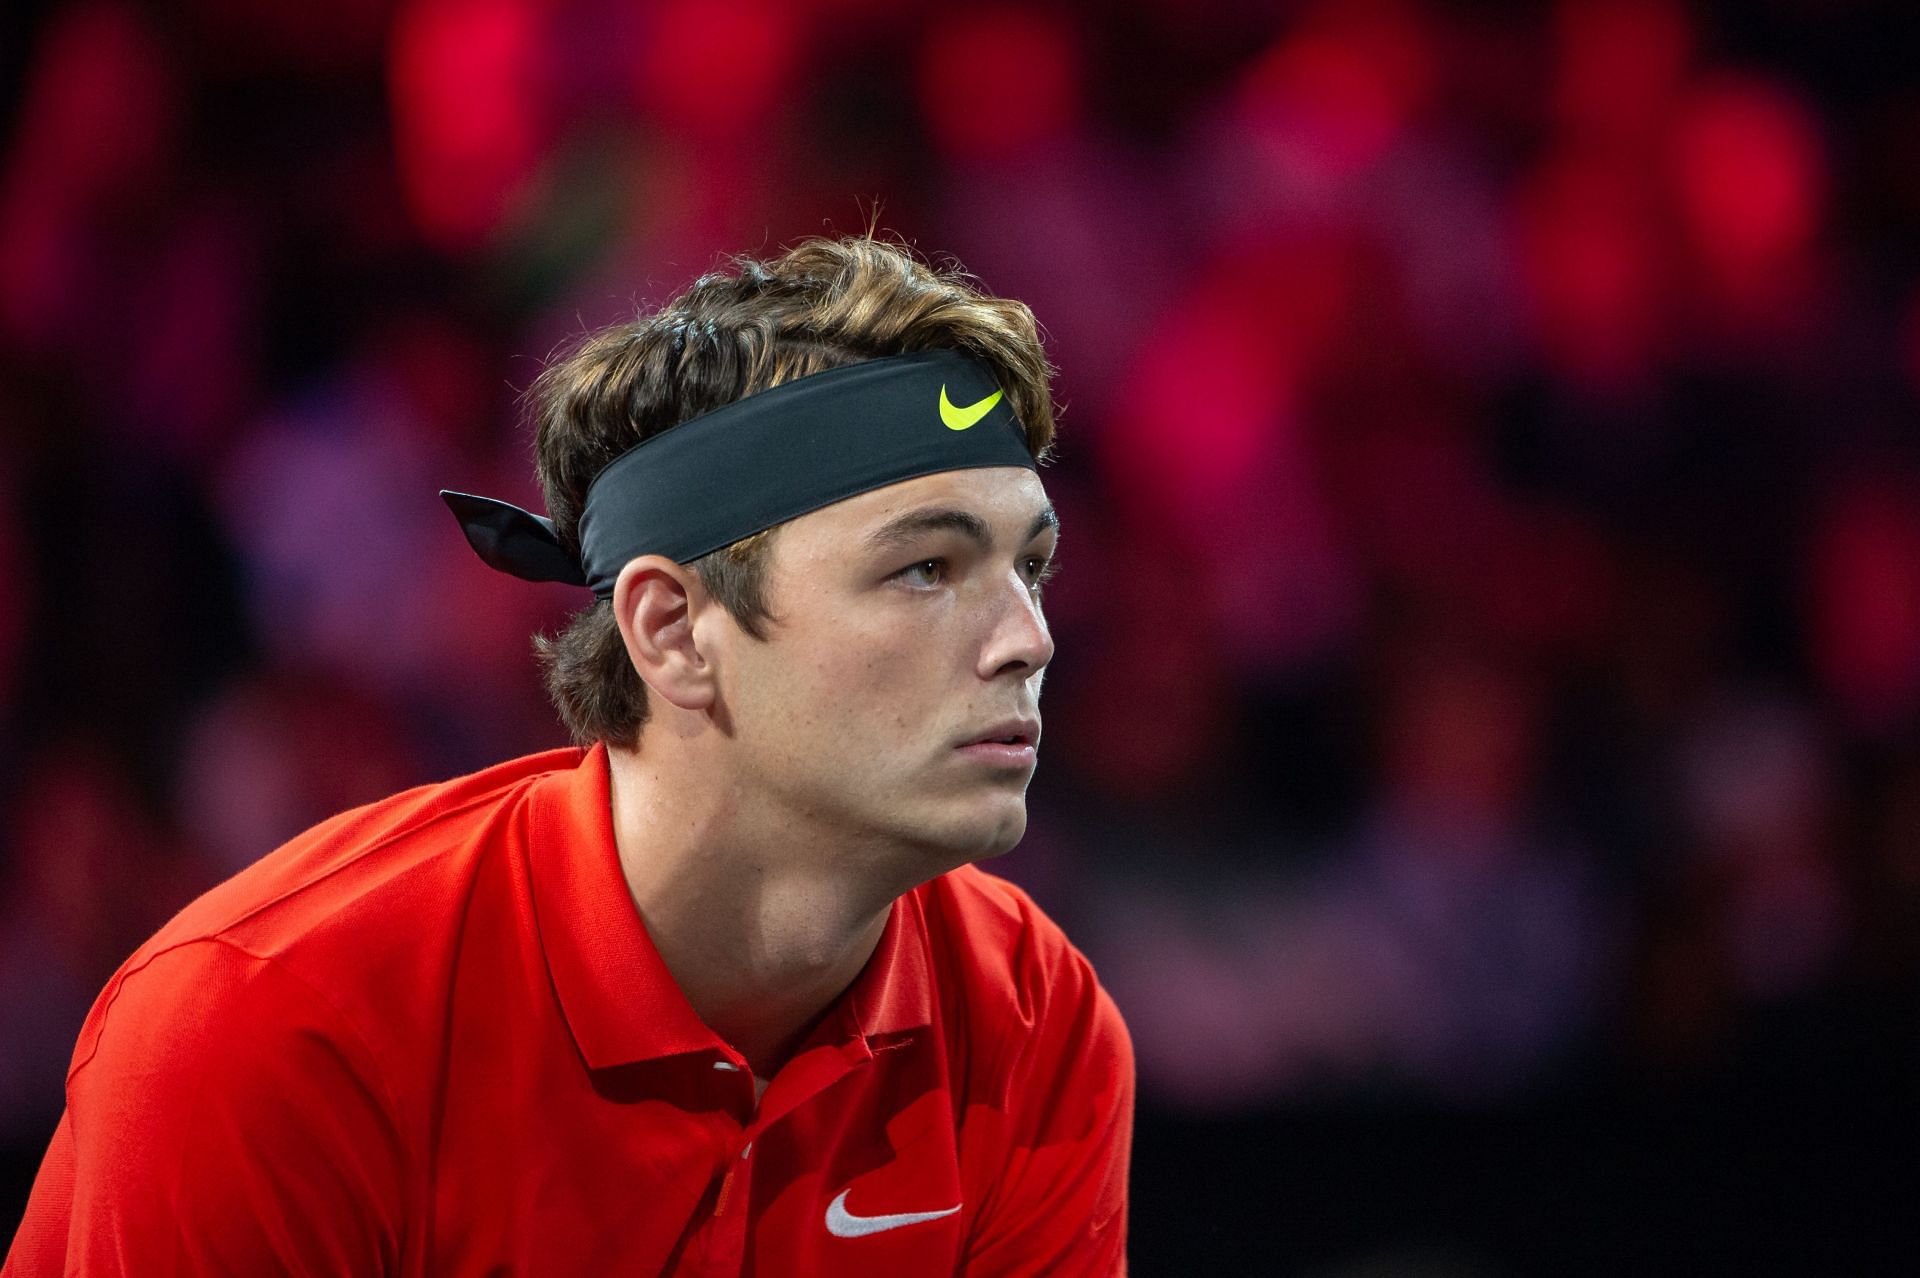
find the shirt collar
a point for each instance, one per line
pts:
(620, 1001)
(894, 992)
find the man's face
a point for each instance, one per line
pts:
(907, 627)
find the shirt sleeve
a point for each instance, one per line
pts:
(1059, 1206)
(222, 1118)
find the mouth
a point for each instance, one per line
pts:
(1010, 744)
(1024, 732)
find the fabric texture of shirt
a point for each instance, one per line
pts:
(431, 1036)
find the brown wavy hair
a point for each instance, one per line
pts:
(820, 304)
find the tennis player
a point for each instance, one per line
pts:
(719, 989)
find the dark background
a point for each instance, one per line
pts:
(1481, 753)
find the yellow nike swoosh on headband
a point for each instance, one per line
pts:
(962, 418)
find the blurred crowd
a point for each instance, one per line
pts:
(1489, 618)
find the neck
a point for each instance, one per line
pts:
(761, 931)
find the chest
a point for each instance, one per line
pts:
(851, 1164)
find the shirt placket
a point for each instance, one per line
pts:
(803, 1078)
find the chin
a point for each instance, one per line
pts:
(977, 836)
(1000, 836)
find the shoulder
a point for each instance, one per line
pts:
(374, 855)
(201, 1046)
(205, 1011)
(221, 1105)
(358, 903)
(1028, 997)
(998, 934)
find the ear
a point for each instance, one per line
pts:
(655, 601)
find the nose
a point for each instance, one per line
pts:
(1019, 641)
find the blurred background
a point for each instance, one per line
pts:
(1482, 754)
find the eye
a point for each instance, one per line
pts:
(1042, 568)
(928, 572)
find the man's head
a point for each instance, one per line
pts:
(807, 644)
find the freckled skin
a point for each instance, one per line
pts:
(849, 714)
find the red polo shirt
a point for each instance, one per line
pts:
(431, 1036)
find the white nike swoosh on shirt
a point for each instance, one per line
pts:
(842, 1223)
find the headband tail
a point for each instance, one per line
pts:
(513, 540)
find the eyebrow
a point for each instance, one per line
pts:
(898, 532)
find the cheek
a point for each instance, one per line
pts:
(877, 686)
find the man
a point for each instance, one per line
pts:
(717, 991)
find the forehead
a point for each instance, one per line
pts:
(1006, 497)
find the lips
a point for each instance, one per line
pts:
(1016, 732)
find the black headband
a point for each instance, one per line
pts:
(761, 461)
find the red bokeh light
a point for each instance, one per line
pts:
(1333, 98)
(465, 82)
(100, 114)
(1197, 411)
(1214, 390)
(717, 68)
(1750, 176)
(995, 82)
(1866, 603)
(1590, 258)
(95, 128)
(1621, 64)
